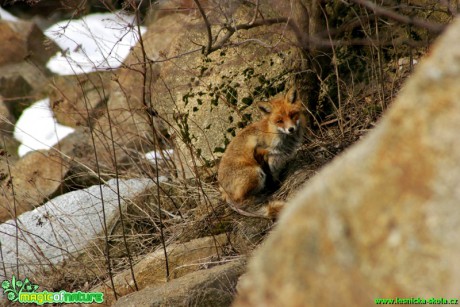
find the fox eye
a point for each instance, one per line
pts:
(279, 121)
(293, 115)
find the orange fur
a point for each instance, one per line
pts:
(262, 149)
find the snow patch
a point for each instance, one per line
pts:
(38, 129)
(4, 15)
(95, 42)
(156, 155)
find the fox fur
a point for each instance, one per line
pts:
(260, 151)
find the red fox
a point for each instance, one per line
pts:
(260, 151)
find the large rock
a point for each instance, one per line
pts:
(92, 156)
(183, 258)
(30, 182)
(79, 100)
(23, 40)
(381, 221)
(65, 227)
(204, 99)
(211, 287)
(22, 83)
(23, 54)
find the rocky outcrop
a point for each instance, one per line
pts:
(204, 99)
(381, 221)
(66, 226)
(211, 287)
(183, 258)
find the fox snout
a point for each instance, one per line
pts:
(289, 129)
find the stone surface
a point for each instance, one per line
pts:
(64, 227)
(30, 182)
(7, 119)
(23, 40)
(183, 258)
(211, 287)
(81, 153)
(75, 99)
(23, 54)
(22, 83)
(203, 99)
(382, 220)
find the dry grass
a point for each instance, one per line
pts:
(357, 89)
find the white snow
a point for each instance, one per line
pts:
(38, 129)
(95, 42)
(151, 156)
(7, 16)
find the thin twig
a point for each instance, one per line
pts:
(15, 214)
(98, 171)
(147, 102)
(232, 29)
(256, 12)
(381, 11)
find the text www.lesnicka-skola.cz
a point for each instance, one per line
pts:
(416, 301)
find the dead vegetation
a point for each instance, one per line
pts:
(362, 54)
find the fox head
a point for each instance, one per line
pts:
(284, 113)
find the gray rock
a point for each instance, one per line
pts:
(64, 226)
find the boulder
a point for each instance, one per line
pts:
(21, 83)
(79, 100)
(65, 227)
(82, 154)
(23, 55)
(382, 220)
(183, 258)
(22, 40)
(211, 287)
(203, 99)
(30, 182)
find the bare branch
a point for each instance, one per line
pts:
(232, 29)
(208, 27)
(381, 11)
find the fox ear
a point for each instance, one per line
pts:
(265, 107)
(291, 95)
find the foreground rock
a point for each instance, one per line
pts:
(64, 227)
(212, 287)
(183, 258)
(383, 220)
